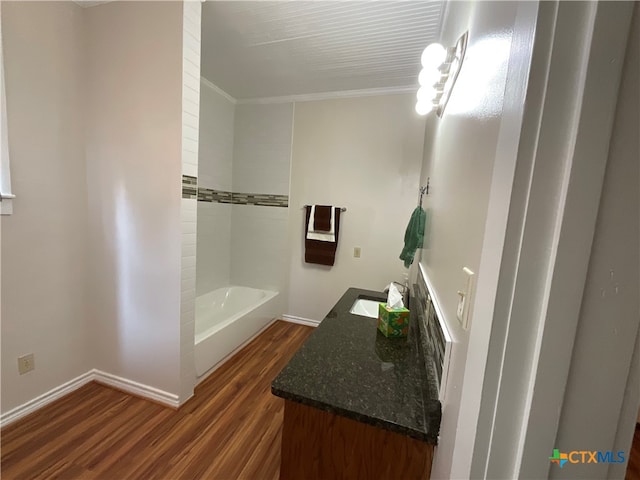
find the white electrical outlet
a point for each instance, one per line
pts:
(356, 252)
(26, 363)
(464, 298)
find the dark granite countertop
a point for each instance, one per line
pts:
(348, 368)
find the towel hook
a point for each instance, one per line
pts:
(423, 190)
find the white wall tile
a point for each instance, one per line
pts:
(187, 336)
(190, 169)
(188, 302)
(262, 168)
(262, 148)
(261, 164)
(217, 115)
(213, 247)
(188, 227)
(188, 250)
(259, 251)
(190, 142)
(189, 239)
(189, 210)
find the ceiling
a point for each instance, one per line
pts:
(259, 49)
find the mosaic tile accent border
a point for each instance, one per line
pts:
(191, 190)
(218, 196)
(265, 200)
(189, 187)
(431, 334)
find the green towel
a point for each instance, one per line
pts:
(413, 236)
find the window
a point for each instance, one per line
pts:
(6, 196)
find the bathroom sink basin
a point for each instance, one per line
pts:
(365, 308)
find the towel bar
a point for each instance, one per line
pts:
(342, 209)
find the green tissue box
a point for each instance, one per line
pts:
(393, 322)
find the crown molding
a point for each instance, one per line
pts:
(217, 89)
(309, 97)
(91, 3)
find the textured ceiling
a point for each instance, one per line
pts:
(279, 48)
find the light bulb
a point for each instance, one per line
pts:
(433, 56)
(426, 94)
(422, 108)
(428, 77)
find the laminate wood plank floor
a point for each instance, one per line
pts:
(230, 429)
(633, 466)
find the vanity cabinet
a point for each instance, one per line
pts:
(358, 405)
(321, 445)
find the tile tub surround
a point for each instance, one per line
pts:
(348, 368)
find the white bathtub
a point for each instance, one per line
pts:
(225, 319)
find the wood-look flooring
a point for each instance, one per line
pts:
(230, 429)
(633, 466)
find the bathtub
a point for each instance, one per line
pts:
(227, 318)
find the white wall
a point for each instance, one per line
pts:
(134, 151)
(44, 242)
(261, 164)
(461, 150)
(363, 154)
(215, 169)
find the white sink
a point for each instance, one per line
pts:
(365, 308)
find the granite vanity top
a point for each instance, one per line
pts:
(348, 368)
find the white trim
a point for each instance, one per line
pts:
(217, 89)
(91, 3)
(552, 214)
(44, 399)
(301, 321)
(138, 389)
(127, 386)
(309, 97)
(6, 204)
(604, 45)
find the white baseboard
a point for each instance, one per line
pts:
(128, 386)
(302, 321)
(138, 389)
(44, 399)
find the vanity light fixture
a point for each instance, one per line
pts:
(440, 68)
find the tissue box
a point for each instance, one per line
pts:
(393, 322)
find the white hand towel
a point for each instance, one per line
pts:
(312, 234)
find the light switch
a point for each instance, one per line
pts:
(464, 298)
(356, 252)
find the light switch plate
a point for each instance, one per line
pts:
(464, 298)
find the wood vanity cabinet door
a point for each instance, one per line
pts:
(320, 445)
